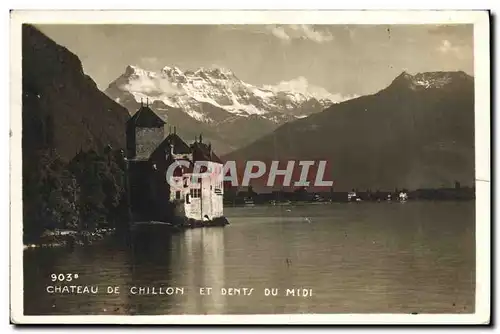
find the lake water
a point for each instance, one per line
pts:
(354, 258)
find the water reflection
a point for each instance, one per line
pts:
(204, 258)
(213, 269)
(150, 271)
(417, 257)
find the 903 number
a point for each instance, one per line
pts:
(63, 277)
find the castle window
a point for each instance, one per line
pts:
(195, 193)
(177, 194)
(178, 171)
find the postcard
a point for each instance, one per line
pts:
(250, 167)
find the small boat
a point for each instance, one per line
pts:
(352, 196)
(249, 201)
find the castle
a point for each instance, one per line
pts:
(156, 195)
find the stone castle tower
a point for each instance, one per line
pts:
(145, 131)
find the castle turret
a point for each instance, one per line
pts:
(145, 131)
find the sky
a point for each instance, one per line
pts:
(344, 59)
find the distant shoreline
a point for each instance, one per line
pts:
(305, 203)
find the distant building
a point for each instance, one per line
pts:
(403, 196)
(150, 152)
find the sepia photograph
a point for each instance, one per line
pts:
(311, 165)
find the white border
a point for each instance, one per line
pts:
(480, 19)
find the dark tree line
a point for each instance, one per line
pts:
(84, 194)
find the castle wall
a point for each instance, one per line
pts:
(139, 189)
(216, 190)
(208, 195)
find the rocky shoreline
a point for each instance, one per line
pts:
(73, 238)
(69, 238)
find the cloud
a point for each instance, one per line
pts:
(286, 33)
(301, 85)
(280, 33)
(312, 34)
(446, 47)
(149, 83)
(153, 87)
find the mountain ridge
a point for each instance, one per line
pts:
(416, 132)
(217, 86)
(215, 101)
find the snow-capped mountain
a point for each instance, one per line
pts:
(213, 95)
(302, 86)
(214, 101)
(430, 80)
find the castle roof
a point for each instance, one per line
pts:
(180, 147)
(146, 117)
(204, 152)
